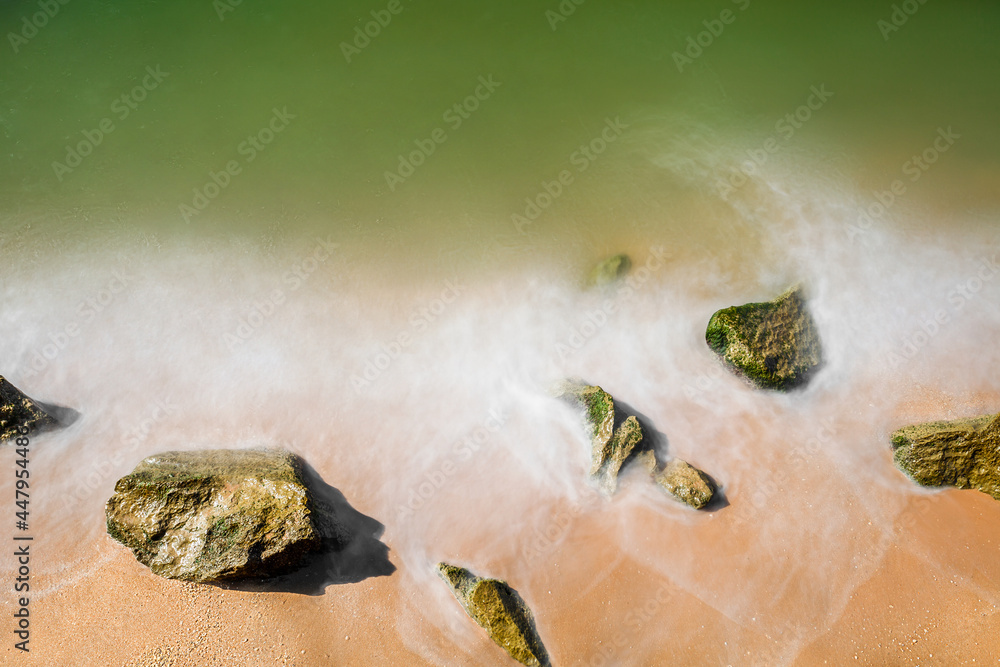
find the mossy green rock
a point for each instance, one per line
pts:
(617, 440)
(612, 444)
(774, 344)
(626, 441)
(964, 453)
(17, 411)
(213, 515)
(499, 610)
(610, 270)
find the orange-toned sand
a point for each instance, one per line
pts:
(925, 593)
(824, 554)
(907, 613)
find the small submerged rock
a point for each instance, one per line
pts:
(774, 344)
(964, 453)
(617, 439)
(610, 270)
(17, 411)
(214, 515)
(499, 610)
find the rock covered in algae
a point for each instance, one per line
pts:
(17, 411)
(963, 453)
(774, 344)
(213, 515)
(610, 270)
(617, 439)
(626, 441)
(499, 610)
(614, 438)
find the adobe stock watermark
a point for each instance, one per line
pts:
(762, 496)
(636, 623)
(249, 148)
(705, 383)
(543, 540)
(31, 25)
(292, 280)
(597, 318)
(784, 128)
(87, 311)
(714, 28)
(223, 7)
(454, 116)
(122, 107)
(930, 326)
(636, 620)
(580, 159)
(905, 520)
(420, 321)
(363, 35)
(913, 169)
(563, 11)
(901, 13)
(462, 450)
(133, 436)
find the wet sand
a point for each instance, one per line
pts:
(821, 550)
(926, 592)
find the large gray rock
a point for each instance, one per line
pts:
(499, 610)
(215, 515)
(774, 344)
(963, 453)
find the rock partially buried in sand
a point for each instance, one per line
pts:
(214, 515)
(499, 610)
(616, 440)
(17, 412)
(610, 270)
(963, 453)
(773, 344)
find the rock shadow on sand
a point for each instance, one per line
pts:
(660, 446)
(351, 550)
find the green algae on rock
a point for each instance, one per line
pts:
(17, 411)
(610, 270)
(617, 440)
(964, 453)
(499, 610)
(613, 439)
(626, 440)
(774, 344)
(215, 515)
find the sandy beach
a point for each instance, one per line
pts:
(363, 232)
(821, 551)
(929, 598)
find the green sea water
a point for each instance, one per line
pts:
(698, 87)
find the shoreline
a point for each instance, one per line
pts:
(820, 533)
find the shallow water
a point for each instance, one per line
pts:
(402, 333)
